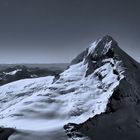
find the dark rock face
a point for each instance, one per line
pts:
(5, 133)
(121, 121)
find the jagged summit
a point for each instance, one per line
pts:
(103, 44)
(102, 47)
(108, 38)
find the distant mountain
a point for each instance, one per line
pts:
(96, 97)
(10, 73)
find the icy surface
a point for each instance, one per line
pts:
(40, 104)
(12, 72)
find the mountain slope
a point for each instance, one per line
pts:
(41, 107)
(121, 118)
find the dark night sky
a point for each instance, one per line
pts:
(49, 31)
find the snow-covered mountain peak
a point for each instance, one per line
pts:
(102, 48)
(81, 91)
(102, 44)
(125, 96)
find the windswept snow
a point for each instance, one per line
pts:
(11, 94)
